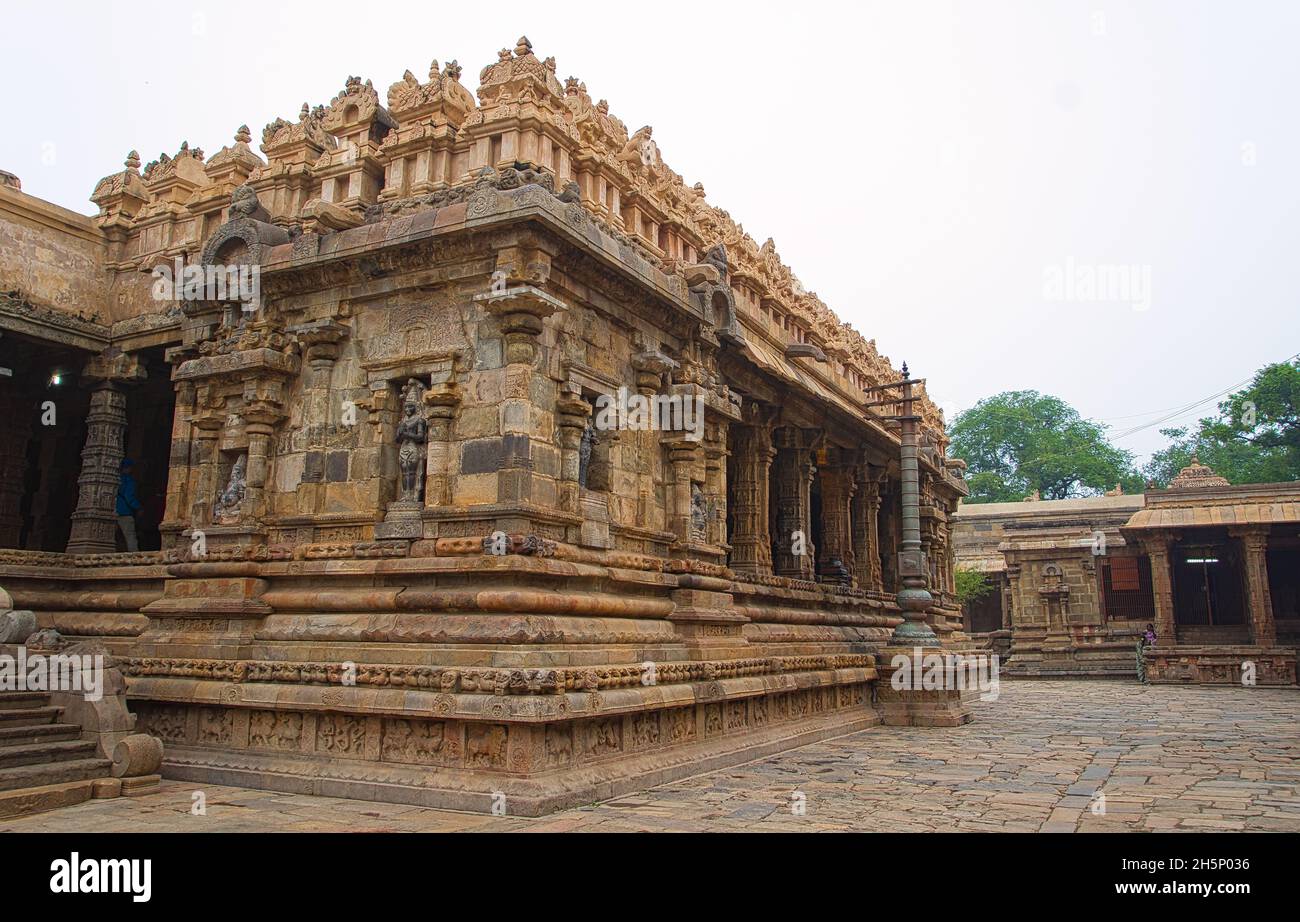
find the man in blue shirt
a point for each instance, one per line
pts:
(127, 505)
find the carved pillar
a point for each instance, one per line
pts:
(650, 365)
(751, 542)
(887, 528)
(1259, 601)
(181, 461)
(94, 523)
(684, 457)
(866, 501)
(1162, 587)
(1011, 599)
(914, 596)
(204, 473)
(838, 487)
(522, 310)
(715, 482)
(795, 551)
(261, 420)
(572, 414)
(443, 400)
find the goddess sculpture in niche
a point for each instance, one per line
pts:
(226, 511)
(412, 434)
(585, 447)
(699, 515)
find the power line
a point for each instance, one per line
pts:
(1192, 406)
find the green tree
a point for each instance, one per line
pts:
(1017, 442)
(1255, 438)
(970, 584)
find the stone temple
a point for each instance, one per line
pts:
(477, 455)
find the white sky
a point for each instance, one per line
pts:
(921, 165)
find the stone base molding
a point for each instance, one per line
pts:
(522, 769)
(1220, 665)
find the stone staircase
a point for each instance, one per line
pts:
(44, 762)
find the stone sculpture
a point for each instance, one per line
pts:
(412, 434)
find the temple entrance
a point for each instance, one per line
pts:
(1283, 561)
(818, 528)
(42, 431)
(1208, 599)
(44, 408)
(985, 613)
(149, 409)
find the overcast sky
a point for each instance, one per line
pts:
(948, 177)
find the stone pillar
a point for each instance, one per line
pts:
(1162, 587)
(838, 487)
(94, 523)
(1259, 601)
(715, 481)
(1011, 601)
(261, 420)
(914, 596)
(443, 400)
(685, 457)
(572, 414)
(866, 529)
(522, 310)
(794, 476)
(205, 469)
(751, 542)
(180, 460)
(888, 529)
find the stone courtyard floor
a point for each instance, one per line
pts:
(1037, 759)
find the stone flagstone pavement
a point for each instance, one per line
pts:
(1040, 758)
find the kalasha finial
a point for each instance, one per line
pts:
(906, 373)
(133, 160)
(243, 135)
(304, 112)
(523, 46)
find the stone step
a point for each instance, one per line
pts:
(46, 752)
(30, 716)
(30, 776)
(22, 801)
(23, 699)
(19, 736)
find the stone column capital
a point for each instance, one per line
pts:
(113, 368)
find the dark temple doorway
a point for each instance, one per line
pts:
(42, 431)
(1208, 601)
(149, 409)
